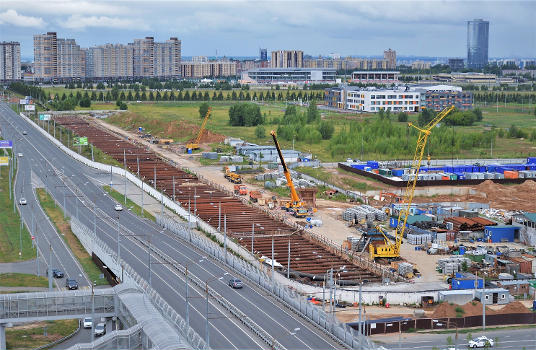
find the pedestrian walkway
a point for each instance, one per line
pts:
(27, 266)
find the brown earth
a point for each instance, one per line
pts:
(474, 308)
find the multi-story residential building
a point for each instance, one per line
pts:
(144, 57)
(10, 68)
(420, 65)
(287, 59)
(202, 69)
(377, 77)
(456, 64)
(167, 58)
(477, 43)
(245, 65)
(110, 61)
(70, 60)
(288, 75)
(390, 56)
(46, 56)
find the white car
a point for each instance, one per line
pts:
(100, 329)
(23, 201)
(20, 155)
(118, 207)
(88, 322)
(481, 342)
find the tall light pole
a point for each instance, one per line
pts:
(125, 169)
(207, 325)
(118, 242)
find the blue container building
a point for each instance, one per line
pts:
(501, 233)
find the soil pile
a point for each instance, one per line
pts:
(473, 308)
(514, 308)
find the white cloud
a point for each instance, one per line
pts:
(64, 7)
(13, 18)
(81, 22)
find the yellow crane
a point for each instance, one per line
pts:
(195, 144)
(392, 249)
(296, 206)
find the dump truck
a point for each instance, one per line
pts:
(240, 189)
(254, 196)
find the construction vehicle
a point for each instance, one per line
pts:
(195, 145)
(240, 189)
(232, 176)
(391, 249)
(295, 206)
(165, 141)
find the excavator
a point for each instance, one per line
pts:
(295, 206)
(195, 144)
(390, 249)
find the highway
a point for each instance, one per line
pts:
(514, 339)
(80, 187)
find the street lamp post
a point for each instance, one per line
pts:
(118, 242)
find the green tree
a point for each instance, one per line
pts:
(402, 117)
(85, 102)
(425, 117)
(203, 109)
(260, 132)
(312, 113)
(245, 114)
(326, 129)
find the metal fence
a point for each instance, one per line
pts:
(338, 331)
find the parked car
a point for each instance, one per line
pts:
(118, 207)
(25, 132)
(100, 329)
(481, 342)
(71, 284)
(235, 283)
(88, 322)
(22, 201)
(56, 273)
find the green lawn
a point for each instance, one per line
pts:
(63, 226)
(347, 183)
(10, 232)
(22, 280)
(31, 336)
(136, 209)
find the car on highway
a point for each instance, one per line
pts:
(71, 284)
(100, 329)
(23, 201)
(21, 155)
(235, 283)
(118, 207)
(88, 322)
(25, 132)
(480, 342)
(56, 273)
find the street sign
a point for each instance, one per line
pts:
(29, 107)
(23, 101)
(6, 144)
(4, 161)
(81, 141)
(44, 116)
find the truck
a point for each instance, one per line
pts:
(240, 189)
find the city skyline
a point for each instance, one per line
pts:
(433, 29)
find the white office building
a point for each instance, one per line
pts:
(388, 100)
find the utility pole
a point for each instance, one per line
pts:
(142, 198)
(125, 168)
(225, 237)
(360, 328)
(173, 179)
(50, 267)
(288, 262)
(118, 242)
(252, 238)
(187, 298)
(207, 339)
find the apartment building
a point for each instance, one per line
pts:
(390, 56)
(110, 61)
(167, 58)
(287, 59)
(46, 56)
(70, 60)
(10, 68)
(203, 69)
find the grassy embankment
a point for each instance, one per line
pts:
(64, 228)
(31, 336)
(136, 209)
(10, 232)
(22, 280)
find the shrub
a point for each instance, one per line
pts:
(203, 110)
(245, 114)
(326, 130)
(260, 132)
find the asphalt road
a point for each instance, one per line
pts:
(515, 339)
(226, 332)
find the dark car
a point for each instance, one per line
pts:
(71, 284)
(56, 273)
(235, 283)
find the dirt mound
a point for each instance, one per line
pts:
(444, 310)
(514, 308)
(211, 137)
(472, 308)
(529, 186)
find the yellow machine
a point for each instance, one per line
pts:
(165, 141)
(195, 144)
(392, 249)
(296, 206)
(232, 176)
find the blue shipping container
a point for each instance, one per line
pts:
(373, 164)
(531, 160)
(359, 166)
(466, 283)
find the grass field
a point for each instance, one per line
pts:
(10, 227)
(22, 280)
(31, 336)
(136, 209)
(64, 228)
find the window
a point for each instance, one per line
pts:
(503, 296)
(486, 297)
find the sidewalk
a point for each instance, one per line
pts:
(27, 266)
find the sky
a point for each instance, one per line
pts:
(241, 27)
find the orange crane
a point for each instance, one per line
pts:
(296, 206)
(195, 144)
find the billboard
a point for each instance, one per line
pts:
(44, 116)
(80, 141)
(29, 107)
(23, 101)
(4, 161)
(6, 144)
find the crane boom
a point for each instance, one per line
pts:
(293, 194)
(391, 250)
(195, 144)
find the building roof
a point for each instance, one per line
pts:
(512, 283)
(375, 71)
(292, 69)
(456, 292)
(502, 226)
(530, 216)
